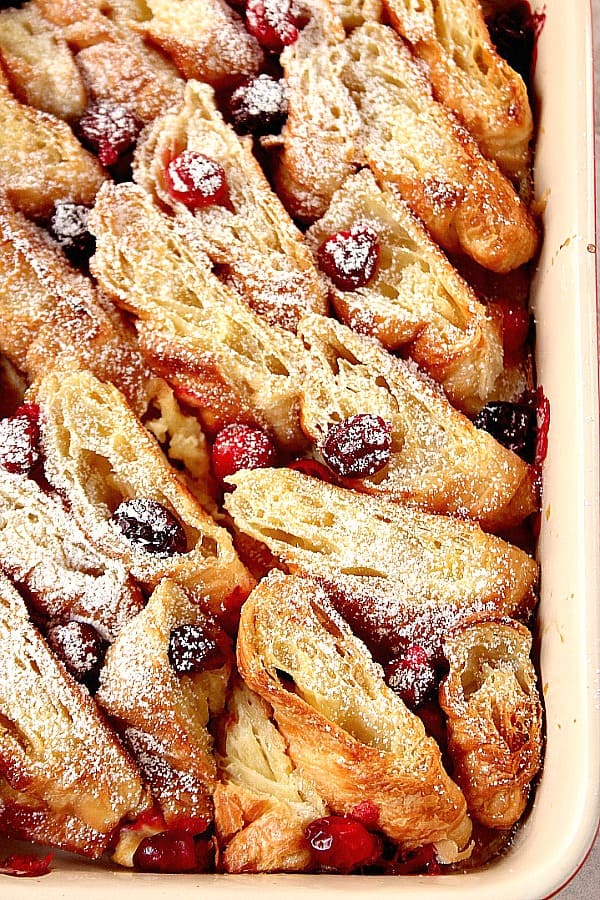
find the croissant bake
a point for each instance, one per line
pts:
(271, 443)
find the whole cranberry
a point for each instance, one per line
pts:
(168, 851)
(79, 646)
(150, 526)
(239, 446)
(19, 440)
(350, 258)
(358, 446)
(258, 106)
(109, 129)
(272, 23)
(342, 843)
(192, 649)
(197, 180)
(412, 676)
(512, 424)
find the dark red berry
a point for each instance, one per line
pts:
(350, 257)
(512, 424)
(315, 469)
(272, 23)
(168, 851)
(109, 129)
(258, 106)
(342, 843)
(205, 854)
(79, 646)
(412, 676)
(192, 649)
(515, 322)
(513, 30)
(197, 180)
(150, 526)
(359, 446)
(69, 225)
(240, 446)
(19, 440)
(366, 812)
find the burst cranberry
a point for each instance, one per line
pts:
(241, 447)
(515, 329)
(197, 180)
(69, 225)
(514, 30)
(25, 865)
(110, 129)
(413, 676)
(315, 469)
(512, 424)
(150, 526)
(191, 650)
(19, 440)
(272, 23)
(342, 843)
(80, 648)
(258, 106)
(366, 812)
(359, 446)
(350, 257)
(168, 851)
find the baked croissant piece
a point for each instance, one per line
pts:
(254, 242)
(494, 718)
(415, 300)
(64, 777)
(41, 161)
(155, 685)
(438, 461)
(262, 801)
(413, 143)
(123, 493)
(218, 354)
(396, 574)
(469, 76)
(65, 576)
(351, 735)
(39, 65)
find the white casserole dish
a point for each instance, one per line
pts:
(558, 831)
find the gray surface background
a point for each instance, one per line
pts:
(586, 884)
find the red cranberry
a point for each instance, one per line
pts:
(413, 676)
(25, 865)
(197, 181)
(272, 23)
(191, 650)
(342, 843)
(110, 129)
(358, 446)
(366, 812)
(19, 440)
(315, 469)
(168, 851)
(350, 257)
(80, 648)
(240, 446)
(514, 30)
(69, 225)
(515, 329)
(512, 424)
(150, 526)
(258, 106)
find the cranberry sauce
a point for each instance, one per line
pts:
(514, 29)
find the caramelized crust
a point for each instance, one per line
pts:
(255, 244)
(263, 802)
(41, 161)
(398, 575)
(416, 301)
(494, 718)
(439, 460)
(97, 454)
(59, 763)
(344, 727)
(216, 352)
(468, 76)
(418, 147)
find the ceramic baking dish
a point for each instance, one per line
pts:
(558, 831)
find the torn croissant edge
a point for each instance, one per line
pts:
(255, 244)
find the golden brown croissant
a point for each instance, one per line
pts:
(439, 461)
(398, 575)
(494, 718)
(255, 243)
(344, 727)
(64, 777)
(415, 300)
